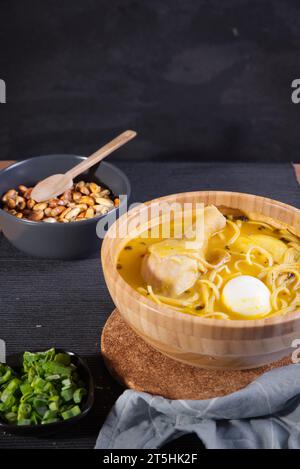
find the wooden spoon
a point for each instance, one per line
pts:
(55, 185)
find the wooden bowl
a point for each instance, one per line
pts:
(201, 342)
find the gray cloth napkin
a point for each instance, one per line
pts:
(265, 414)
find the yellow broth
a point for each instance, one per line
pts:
(131, 257)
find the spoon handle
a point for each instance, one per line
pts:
(101, 153)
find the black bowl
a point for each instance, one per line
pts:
(58, 240)
(15, 361)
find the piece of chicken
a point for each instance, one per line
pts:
(168, 268)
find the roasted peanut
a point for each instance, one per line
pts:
(94, 188)
(40, 206)
(100, 209)
(79, 185)
(97, 208)
(4, 198)
(30, 204)
(57, 211)
(64, 213)
(27, 194)
(89, 213)
(87, 200)
(72, 213)
(83, 207)
(53, 203)
(21, 203)
(48, 211)
(50, 220)
(77, 196)
(83, 201)
(12, 193)
(36, 215)
(11, 203)
(67, 196)
(104, 193)
(105, 202)
(62, 202)
(22, 188)
(84, 190)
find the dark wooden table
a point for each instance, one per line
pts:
(66, 303)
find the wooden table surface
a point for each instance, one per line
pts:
(297, 171)
(5, 163)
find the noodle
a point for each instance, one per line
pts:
(260, 223)
(212, 286)
(262, 251)
(220, 281)
(215, 315)
(291, 255)
(224, 267)
(205, 296)
(294, 245)
(237, 264)
(236, 274)
(152, 295)
(237, 232)
(274, 273)
(208, 265)
(219, 264)
(220, 234)
(274, 296)
(289, 236)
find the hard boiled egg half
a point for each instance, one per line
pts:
(247, 297)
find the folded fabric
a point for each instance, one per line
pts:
(265, 414)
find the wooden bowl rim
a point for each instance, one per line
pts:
(170, 312)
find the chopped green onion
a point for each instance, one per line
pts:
(48, 390)
(68, 414)
(63, 358)
(25, 388)
(10, 389)
(78, 395)
(67, 394)
(54, 406)
(11, 417)
(52, 377)
(67, 383)
(24, 411)
(49, 415)
(45, 422)
(53, 368)
(24, 422)
(5, 377)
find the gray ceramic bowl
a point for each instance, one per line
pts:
(57, 240)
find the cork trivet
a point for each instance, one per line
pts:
(138, 366)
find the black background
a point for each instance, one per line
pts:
(199, 80)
